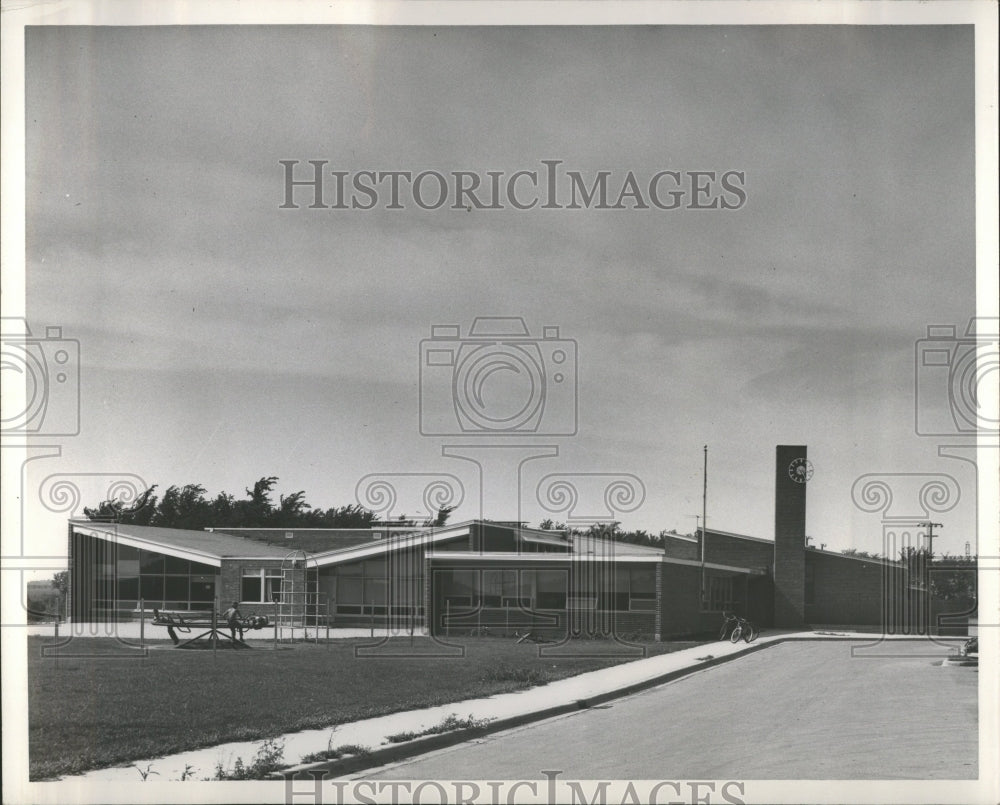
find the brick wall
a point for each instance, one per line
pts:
(678, 548)
(789, 540)
(846, 591)
(680, 610)
(724, 550)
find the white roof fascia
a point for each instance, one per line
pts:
(341, 555)
(713, 566)
(542, 557)
(149, 545)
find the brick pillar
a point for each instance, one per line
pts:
(429, 624)
(69, 605)
(792, 472)
(658, 619)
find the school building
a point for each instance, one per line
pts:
(486, 575)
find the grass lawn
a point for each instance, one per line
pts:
(86, 713)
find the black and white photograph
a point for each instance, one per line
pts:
(473, 402)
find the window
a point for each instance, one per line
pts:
(202, 591)
(128, 588)
(551, 589)
(250, 588)
(151, 589)
(720, 593)
(499, 586)
(460, 587)
(349, 595)
(175, 590)
(150, 562)
(642, 589)
(260, 585)
(128, 561)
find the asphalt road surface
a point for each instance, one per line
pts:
(799, 710)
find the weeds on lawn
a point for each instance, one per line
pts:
(267, 760)
(524, 677)
(338, 752)
(188, 772)
(448, 724)
(148, 771)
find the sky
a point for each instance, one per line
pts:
(223, 338)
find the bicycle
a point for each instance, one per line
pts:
(729, 623)
(735, 628)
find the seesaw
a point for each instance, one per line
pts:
(214, 629)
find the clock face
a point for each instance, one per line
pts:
(800, 470)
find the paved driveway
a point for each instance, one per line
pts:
(799, 710)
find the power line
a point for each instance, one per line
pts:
(930, 534)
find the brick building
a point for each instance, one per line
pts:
(482, 575)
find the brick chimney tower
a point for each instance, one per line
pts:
(792, 473)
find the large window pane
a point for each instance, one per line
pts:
(176, 566)
(176, 588)
(642, 581)
(150, 562)
(203, 588)
(375, 591)
(151, 588)
(349, 591)
(492, 594)
(128, 587)
(250, 589)
(406, 591)
(551, 589)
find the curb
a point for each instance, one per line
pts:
(379, 757)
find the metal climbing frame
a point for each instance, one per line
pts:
(301, 610)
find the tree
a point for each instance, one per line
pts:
(292, 508)
(442, 517)
(183, 507)
(259, 508)
(61, 582)
(114, 510)
(860, 554)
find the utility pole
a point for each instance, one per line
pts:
(704, 519)
(930, 535)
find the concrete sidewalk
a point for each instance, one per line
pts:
(131, 631)
(503, 711)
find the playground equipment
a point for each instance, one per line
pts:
(215, 630)
(300, 606)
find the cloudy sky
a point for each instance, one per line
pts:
(223, 338)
